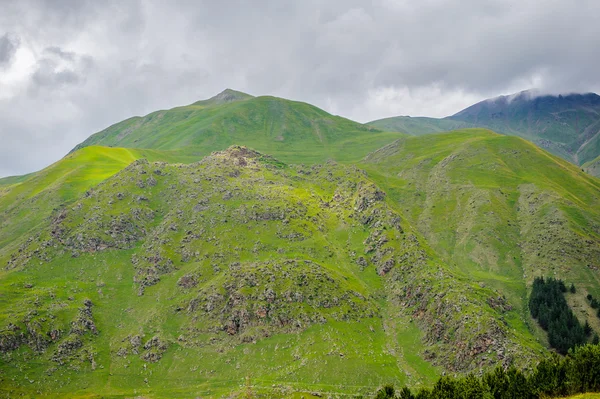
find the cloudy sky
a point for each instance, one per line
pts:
(71, 68)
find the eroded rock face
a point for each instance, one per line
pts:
(41, 334)
(283, 295)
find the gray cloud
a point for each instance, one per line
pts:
(82, 65)
(59, 68)
(8, 47)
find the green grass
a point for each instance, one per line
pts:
(497, 207)
(418, 126)
(27, 201)
(469, 217)
(293, 132)
(261, 225)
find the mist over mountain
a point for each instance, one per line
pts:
(566, 125)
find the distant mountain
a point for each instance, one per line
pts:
(418, 125)
(293, 131)
(568, 126)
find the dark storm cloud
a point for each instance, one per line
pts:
(78, 66)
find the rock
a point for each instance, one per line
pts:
(187, 281)
(362, 262)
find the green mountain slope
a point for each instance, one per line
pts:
(27, 201)
(181, 280)
(292, 131)
(128, 271)
(497, 206)
(418, 126)
(567, 126)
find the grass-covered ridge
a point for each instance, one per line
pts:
(292, 131)
(567, 126)
(417, 125)
(27, 201)
(177, 279)
(163, 273)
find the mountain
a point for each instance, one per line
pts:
(158, 260)
(567, 126)
(165, 270)
(417, 125)
(292, 131)
(498, 207)
(27, 201)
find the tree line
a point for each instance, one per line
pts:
(548, 305)
(578, 372)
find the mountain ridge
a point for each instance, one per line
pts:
(566, 125)
(293, 131)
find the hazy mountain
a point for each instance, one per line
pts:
(565, 125)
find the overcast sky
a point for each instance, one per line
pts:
(71, 68)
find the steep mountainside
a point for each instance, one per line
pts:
(568, 125)
(27, 201)
(181, 279)
(497, 206)
(292, 131)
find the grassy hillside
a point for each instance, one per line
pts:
(128, 271)
(498, 207)
(417, 126)
(27, 201)
(567, 126)
(184, 280)
(292, 131)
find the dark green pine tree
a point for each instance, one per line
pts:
(587, 329)
(387, 392)
(405, 393)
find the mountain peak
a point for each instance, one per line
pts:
(226, 96)
(535, 93)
